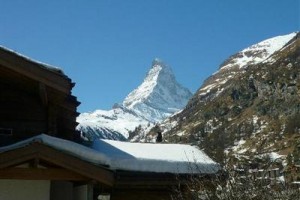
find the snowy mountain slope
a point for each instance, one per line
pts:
(113, 124)
(158, 97)
(239, 62)
(257, 52)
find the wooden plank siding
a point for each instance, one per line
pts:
(129, 179)
(34, 99)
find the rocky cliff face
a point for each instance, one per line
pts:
(158, 97)
(249, 107)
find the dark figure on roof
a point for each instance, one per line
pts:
(159, 137)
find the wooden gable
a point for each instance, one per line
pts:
(41, 162)
(34, 99)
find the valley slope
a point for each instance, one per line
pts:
(249, 107)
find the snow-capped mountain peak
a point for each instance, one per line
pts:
(159, 95)
(159, 71)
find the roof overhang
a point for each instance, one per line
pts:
(34, 70)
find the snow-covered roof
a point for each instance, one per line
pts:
(41, 64)
(143, 157)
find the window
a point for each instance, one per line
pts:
(6, 131)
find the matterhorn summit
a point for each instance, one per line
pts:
(158, 97)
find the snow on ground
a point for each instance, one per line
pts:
(212, 125)
(259, 126)
(217, 84)
(238, 146)
(274, 156)
(145, 157)
(255, 119)
(181, 133)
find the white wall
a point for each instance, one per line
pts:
(84, 192)
(24, 190)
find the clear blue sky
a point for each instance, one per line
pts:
(107, 46)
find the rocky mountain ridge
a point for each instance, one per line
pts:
(249, 107)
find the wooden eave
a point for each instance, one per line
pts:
(128, 179)
(155, 180)
(70, 167)
(41, 174)
(36, 71)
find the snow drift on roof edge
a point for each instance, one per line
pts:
(45, 65)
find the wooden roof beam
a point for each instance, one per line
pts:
(41, 174)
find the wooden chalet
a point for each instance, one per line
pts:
(34, 98)
(45, 167)
(39, 158)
